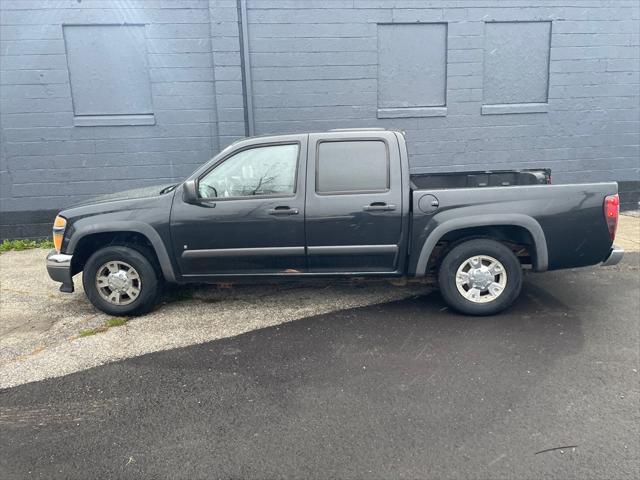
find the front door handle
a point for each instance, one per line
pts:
(283, 210)
(379, 207)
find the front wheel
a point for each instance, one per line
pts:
(121, 281)
(480, 277)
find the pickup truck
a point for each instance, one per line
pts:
(333, 204)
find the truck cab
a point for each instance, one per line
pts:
(318, 204)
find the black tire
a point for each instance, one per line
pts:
(149, 281)
(459, 255)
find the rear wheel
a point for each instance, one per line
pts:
(120, 280)
(480, 277)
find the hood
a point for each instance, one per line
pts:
(136, 193)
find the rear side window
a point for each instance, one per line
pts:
(352, 166)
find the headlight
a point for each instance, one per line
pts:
(59, 225)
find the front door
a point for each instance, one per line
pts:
(250, 218)
(354, 203)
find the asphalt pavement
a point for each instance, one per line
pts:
(405, 389)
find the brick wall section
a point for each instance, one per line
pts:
(314, 67)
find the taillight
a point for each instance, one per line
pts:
(611, 213)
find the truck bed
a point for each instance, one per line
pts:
(476, 179)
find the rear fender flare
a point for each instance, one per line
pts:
(510, 219)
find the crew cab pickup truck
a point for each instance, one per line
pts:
(333, 204)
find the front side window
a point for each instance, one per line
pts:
(269, 170)
(352, 166)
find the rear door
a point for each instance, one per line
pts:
(354, 202)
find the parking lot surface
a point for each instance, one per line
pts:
(404, 389)
(41, 327)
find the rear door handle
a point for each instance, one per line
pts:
(283, 210)
(379, 207)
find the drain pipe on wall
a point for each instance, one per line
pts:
(245, 67)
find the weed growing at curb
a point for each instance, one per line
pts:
(22, 244)
(112, 322)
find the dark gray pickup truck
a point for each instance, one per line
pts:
(333, 204)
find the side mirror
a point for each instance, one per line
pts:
(190, 192)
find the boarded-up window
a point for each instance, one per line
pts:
(108, 70)
(516, 62)
(412, 65)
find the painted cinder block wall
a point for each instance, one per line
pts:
(474, 84)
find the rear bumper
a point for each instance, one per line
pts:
(59, 269)
(614, 257)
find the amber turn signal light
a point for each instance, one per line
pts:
(59, 225)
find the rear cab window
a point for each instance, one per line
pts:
(352, 166)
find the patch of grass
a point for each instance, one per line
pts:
(115, 322)
(87, 332)
(112, 322)
(23, 244)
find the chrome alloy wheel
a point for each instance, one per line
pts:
(118, 283)
(481, 279)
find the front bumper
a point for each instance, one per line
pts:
(59, 269)
(614, 257)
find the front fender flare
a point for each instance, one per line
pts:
(128, 226)
(508, 219)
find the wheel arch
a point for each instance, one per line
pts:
(85, 240)
(540, 255)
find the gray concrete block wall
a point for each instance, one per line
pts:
(313, 65)
(46, 161)
(225, 40)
